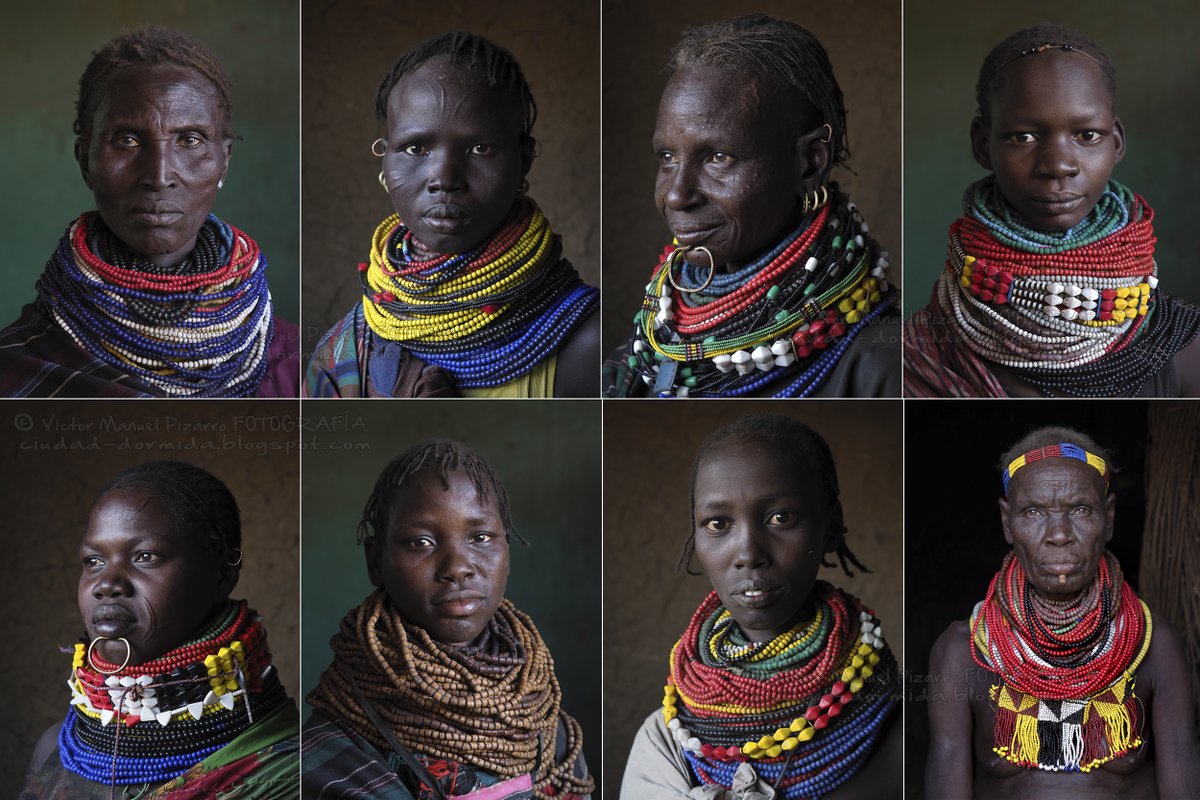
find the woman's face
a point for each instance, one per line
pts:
(443, 559)
(155, 156)
(454, 161)
(143, 580)
(1058, 520)
(728, 170)
(1053, 138)
(761, 527)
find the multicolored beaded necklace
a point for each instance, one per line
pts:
(487, 316)
(1065, 700)
(781, 322)
(152, 722)
(1076, 312)
(805, 708)
(201, 329)
(493, 704)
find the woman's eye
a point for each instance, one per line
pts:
(1083, 511)
(717, 525)
(720, 158)
(1032, 513)
(190, 140)
(1022, 138)
(781, 518)
(127, 140)
(481, 150)
(1089, 136)
(666, 157)
(145, 558)
(414, 150)
(90, 562)
(482, 537)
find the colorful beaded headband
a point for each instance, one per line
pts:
(1063, 450)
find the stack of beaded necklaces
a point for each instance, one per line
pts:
(1065, 699)
(154, 721)
(805, 708)
(1076, 312)
(201, 329)
(488, 315)
(494, 704)
(782, 321)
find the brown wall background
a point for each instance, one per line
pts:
(56, 456)
(349, 46)
(862, 38)
(648, 453)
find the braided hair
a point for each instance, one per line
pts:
(199, 503)
(441, 456)
(147, 47)
(797, 442)
(470, 53)
(1025, 42)
(781, 56)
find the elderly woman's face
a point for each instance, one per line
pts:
(443, 559)
(727, 168)
(141, 579)
(1058, 521)
(761, 528)
(156, 154)
(453, 163)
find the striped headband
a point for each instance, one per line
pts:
(1063, 450)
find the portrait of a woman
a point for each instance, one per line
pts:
(151, 294)
(772, 283)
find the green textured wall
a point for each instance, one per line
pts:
(43, 51)
(547, 454)
(1153, 48)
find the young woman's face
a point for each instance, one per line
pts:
(454, 159)
(1053, 137)
(142, 580)
(443, 559)
(761, 527)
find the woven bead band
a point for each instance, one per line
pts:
(1063, 450)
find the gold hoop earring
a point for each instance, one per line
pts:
(712, 269)
(378, 147)
(382, 182)
(820, 197)
(125, 663)
(829, 136)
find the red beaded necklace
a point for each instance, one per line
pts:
(1009, 639)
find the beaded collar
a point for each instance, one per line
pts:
(487, 316)
(1077, 312)
(805, 709)
(781, 322)
(152, 722)
(494, 704)
(1065, 696)
(200, 330)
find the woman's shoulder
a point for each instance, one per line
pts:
(871, 365)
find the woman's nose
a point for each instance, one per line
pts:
(681, 189)
(456, 565)
(159, 168)
(112, 582)
(445, 172)
(1056, 158)
(751, 550)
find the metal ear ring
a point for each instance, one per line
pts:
(233, 562)
(125, 663)
(221, 183)
(829, 136)
(523, 188)
(382, 182)
(378, 147)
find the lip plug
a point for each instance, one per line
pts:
(1062, 579)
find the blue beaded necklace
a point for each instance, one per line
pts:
(210, 340)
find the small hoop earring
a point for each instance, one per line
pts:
(820, 196)
(221, 183)
(712, 269)
(382, 182)
(829, 136)
(523, 188)
(125, 663)
(378, 147)
(238, 562)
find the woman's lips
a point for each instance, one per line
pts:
(1055, 203)
(756, 594)
(458, 604)
(111, 621)
(1060, 567)
(690, 236)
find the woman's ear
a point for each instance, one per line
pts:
(371, 552)
(813, 158)
(981, 143)
(230, 572)
(1119, 139)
